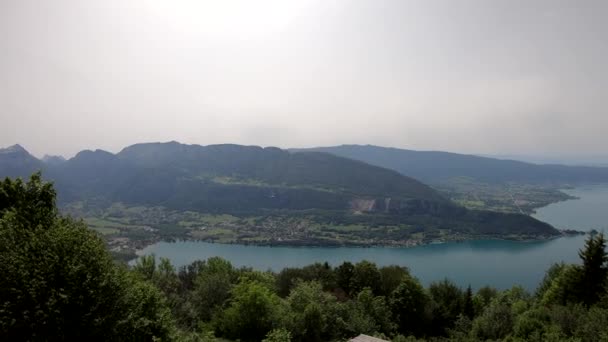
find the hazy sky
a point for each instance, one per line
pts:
(497, 77)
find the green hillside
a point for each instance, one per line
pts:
(436, 166)
(232, 177)
(156, 191)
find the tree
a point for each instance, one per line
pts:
(254, 310)
(146, 266)
(567, 319)
(494, 323)
(286, 280)
(532, 324)
(58, 279)
(498, 318)
(344, 275)
(142, 312)
(212, 286)
(594, 270)
(483, 298)
(564, 287)
(391, 277)
(409, 303)
(571, 284)
(373, 313)
(312, 313)
(448, 299)
(313, 323)
(552, 273)
(278, 335)
(594, 326)
(468, 308)
(32, 203)
(323, 273)
(365, 274)
(162, 275)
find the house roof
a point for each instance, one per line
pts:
(366, 338)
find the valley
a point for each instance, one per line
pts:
(510, 198)
(128, 229)
(267, 196)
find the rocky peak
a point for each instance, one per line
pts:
(14, 149)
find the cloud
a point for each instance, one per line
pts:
(479, 77)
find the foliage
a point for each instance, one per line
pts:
(410, 304)
(594, 269)
(253, 311)
(278, 335)
(365, 275)
(59, 280)
(495, 322)
(312, 312)
(448, 300)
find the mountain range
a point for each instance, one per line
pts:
(167, 173)
(436, 167)
(250, 180)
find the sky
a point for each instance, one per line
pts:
(501, 77)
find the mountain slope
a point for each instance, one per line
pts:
(278, 167)
(197, 176)
(15, 161)
(434, 167)
(251, 181)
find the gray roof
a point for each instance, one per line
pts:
(365, 338)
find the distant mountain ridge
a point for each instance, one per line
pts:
(165, 167)
(16, 161)
(254, 181)
(436, 166)
(53, 159)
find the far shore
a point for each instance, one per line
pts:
(133, 254)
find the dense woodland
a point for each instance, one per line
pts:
(60, 283)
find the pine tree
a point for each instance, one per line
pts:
(594, 269)
(468, 308)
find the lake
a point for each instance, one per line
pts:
(590, 211)
(489, 262)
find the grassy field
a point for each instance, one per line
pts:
(132, 228)
(96, 222)
(510, 198)
(105, 230)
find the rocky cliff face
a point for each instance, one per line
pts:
(398, 206)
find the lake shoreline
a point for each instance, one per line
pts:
(500, 262)
(288, 244)
(466, 262)
(133, 249)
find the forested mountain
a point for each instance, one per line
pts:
(200, 177)
(434, 167)
(243, 180)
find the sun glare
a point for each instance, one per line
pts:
(228, 18)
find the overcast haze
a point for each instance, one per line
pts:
(493, 77)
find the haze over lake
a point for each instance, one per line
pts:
(586, 213)
(496, 263)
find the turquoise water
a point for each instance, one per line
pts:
(497, 263)
(590, 211)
